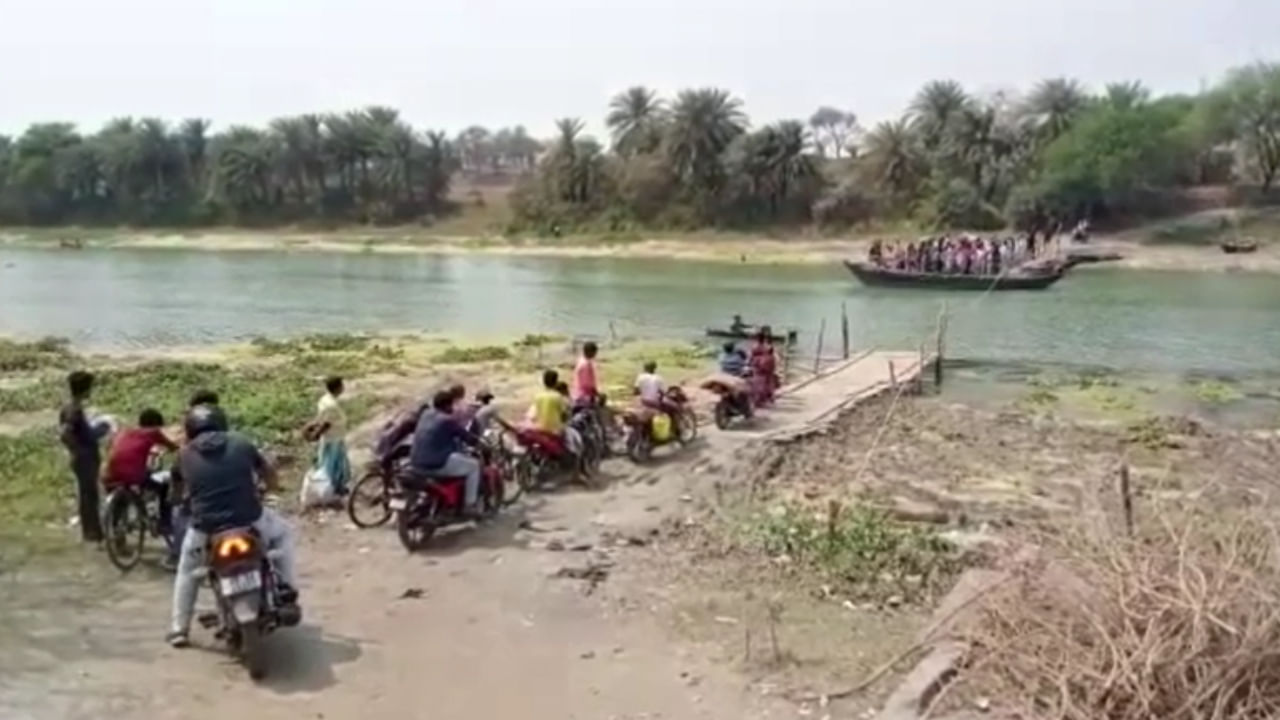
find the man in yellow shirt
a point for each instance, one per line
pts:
(551, 409)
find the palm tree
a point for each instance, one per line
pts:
(703, 123)
(971, 140)
(635, 117)
(158, 158)
(244, 159)
(295, 150)
(439, 161)
(1054, 105)
(1127, 95)
(192, 138)
(935, 108)
(893, 156)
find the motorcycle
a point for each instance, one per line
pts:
(734, 401)
(542, 458)
(423, 505)
(250, 601)
(644, 424)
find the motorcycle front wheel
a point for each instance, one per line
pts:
(688, 426)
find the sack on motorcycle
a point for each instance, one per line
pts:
(661, 427)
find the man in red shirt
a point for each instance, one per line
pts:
(127, 464)
(131, 450)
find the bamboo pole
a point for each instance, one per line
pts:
(920, 370)
(844, 328)
(893, 377)
(942, 331)
(817, 359)
(1126, 498)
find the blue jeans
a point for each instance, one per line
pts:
(463, 466)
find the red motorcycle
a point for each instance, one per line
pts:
(424, 504)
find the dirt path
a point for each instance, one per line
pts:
(494, 633)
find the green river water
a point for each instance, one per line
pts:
(1225, 324)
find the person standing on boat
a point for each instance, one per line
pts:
(764, 365)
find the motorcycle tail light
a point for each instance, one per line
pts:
(234, 547)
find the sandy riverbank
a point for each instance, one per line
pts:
(710, 247)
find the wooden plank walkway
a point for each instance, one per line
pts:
(809, 405)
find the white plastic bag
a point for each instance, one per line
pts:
(317, 489)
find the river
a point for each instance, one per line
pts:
(115, 298)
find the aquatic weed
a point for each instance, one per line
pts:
(862, 548)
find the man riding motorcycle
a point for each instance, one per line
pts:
(652, 391)
(437, 450)
(732, 361)
(219, 469)
(550, 411)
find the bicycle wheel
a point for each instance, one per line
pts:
(368, 502)
(125, 528)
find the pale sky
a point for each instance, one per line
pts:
(452, 63)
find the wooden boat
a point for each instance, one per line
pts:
(749, 332)
(1235, 247)
(1023, 279)
(1085, 257)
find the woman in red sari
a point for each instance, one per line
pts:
(764, 368)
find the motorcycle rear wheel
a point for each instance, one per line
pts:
(252, 652)
(639, 447)
(125, 526)
(416, 524)
(368, 504)
(723, 415)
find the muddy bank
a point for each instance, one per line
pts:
(1135, 247)
(764, 573)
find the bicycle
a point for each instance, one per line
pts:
(131, 513)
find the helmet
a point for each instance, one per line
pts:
(202, 419)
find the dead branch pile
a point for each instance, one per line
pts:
(1182, 622)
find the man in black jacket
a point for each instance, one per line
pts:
(81, 441)
(220, 469)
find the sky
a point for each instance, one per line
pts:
(447, 64)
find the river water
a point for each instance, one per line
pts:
(111, 299)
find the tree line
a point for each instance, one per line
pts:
(953, 159)
(364, 166)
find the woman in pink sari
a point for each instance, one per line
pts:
(764, 368)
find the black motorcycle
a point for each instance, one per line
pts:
(251, 603)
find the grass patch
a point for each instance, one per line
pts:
(454, 355)
(50, 352)
(1215, 392)
(872, 556)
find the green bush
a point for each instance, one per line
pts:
(453, 355)
(49, 352)
(871, 553)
